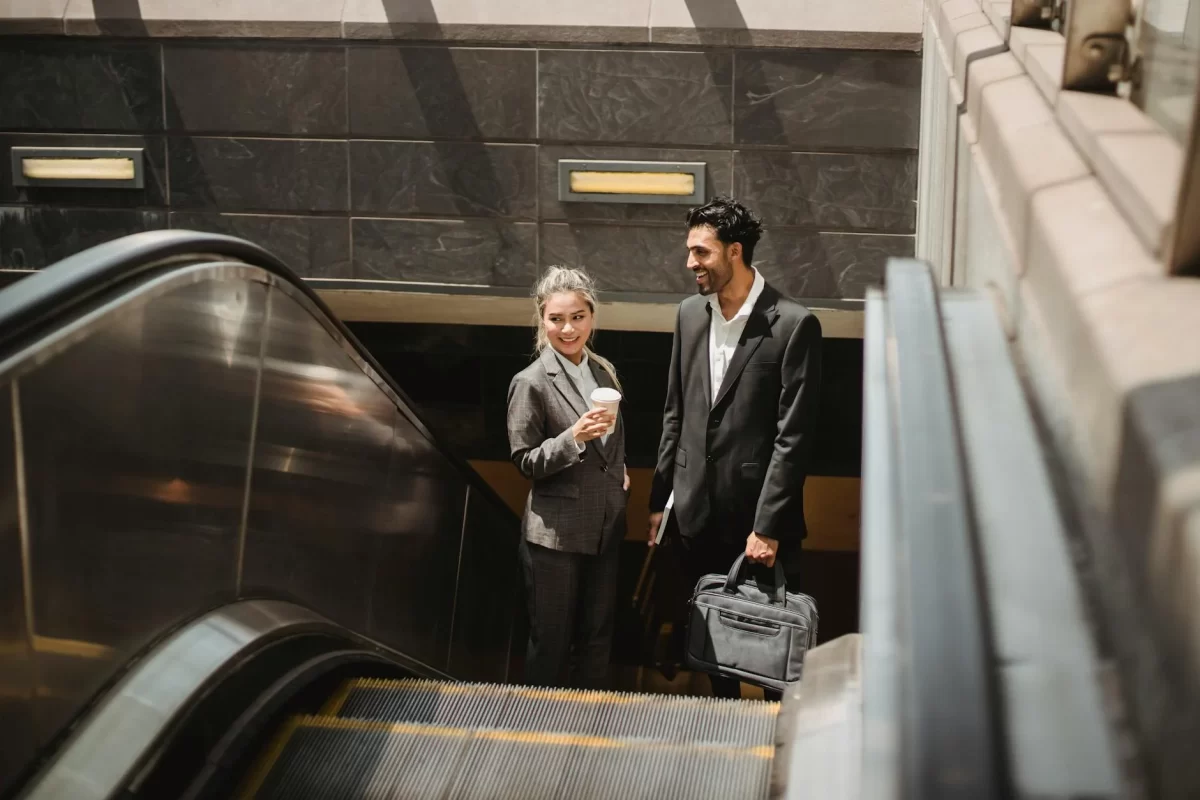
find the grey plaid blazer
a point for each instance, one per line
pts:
(577, 503)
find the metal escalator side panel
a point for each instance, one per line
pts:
(184, 441)
(135, 429)
(103, 751)
(18, 740)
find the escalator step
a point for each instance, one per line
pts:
(326, 757)
(605, 714)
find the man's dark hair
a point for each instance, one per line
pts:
(732, 221)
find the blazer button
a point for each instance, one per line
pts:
(604, 467)
(709, 459)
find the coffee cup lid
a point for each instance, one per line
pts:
(605, 395)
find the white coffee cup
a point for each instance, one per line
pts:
(609, 400)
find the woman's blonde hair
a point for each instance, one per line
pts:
(566, 280)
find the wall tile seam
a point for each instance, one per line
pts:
(506, 34)
(276, 136)
(300, 138)
(286, 42)
(367, 214)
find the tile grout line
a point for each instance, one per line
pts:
(162, 67)
(349, 161)
(732, 106)
(537, 137)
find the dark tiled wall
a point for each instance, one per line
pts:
(439, 164)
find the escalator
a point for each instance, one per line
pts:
(235, 562)
(239, 564)
(413, 738)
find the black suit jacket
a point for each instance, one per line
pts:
(738, 464)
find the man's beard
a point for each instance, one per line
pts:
(714, 283)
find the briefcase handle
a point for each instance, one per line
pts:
(735, 577)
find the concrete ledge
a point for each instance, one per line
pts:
(234, 18)
(984, 241)
(422, 305)
(998, 12)
(1025, 149)
(955, 17)
(1079, 247)
(1044, 63)
(615, 22)
(32, 17)
(806, 39)
(1142, 171)
(853, 24)
(1138, 162)
(973, 43)
(984, 73)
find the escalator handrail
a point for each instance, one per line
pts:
(950, 737)
(30, 306)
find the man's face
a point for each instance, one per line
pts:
(709, 260)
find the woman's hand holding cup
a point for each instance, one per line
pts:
(592, 425)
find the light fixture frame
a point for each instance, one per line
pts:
(695, 168)
(135, 154)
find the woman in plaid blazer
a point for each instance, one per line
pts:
(574, 517)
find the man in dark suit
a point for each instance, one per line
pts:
(742, 396)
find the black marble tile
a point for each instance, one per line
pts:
(261, 88)
(857, 261)
(443, 92)
(72, 85)
(834, 99)
(644, 98)
(718, 180)
(829, 190)
(622, 258)
(444, 178)
(313, 247)
(794, 263)
(257, 174)
(806, 265)
(32, 237)
(154, 162)
(472, 252)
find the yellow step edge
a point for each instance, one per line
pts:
(262, 768)
(525, 737)
(562, 695)
(333, 706)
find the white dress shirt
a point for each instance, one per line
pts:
(723, 335)
(584, 381)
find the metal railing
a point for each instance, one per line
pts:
(931, 714)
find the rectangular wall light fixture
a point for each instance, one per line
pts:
(79, 167)
(668, 182)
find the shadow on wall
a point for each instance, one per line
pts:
(445, 105)
(471, 176)
(713, 20)
(124, 18)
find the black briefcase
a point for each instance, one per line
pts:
(750, 630)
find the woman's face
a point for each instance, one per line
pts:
(568, 322)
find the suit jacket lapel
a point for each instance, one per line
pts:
(704, 356)
(566, 387)
(762, 317)
(562, 381)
